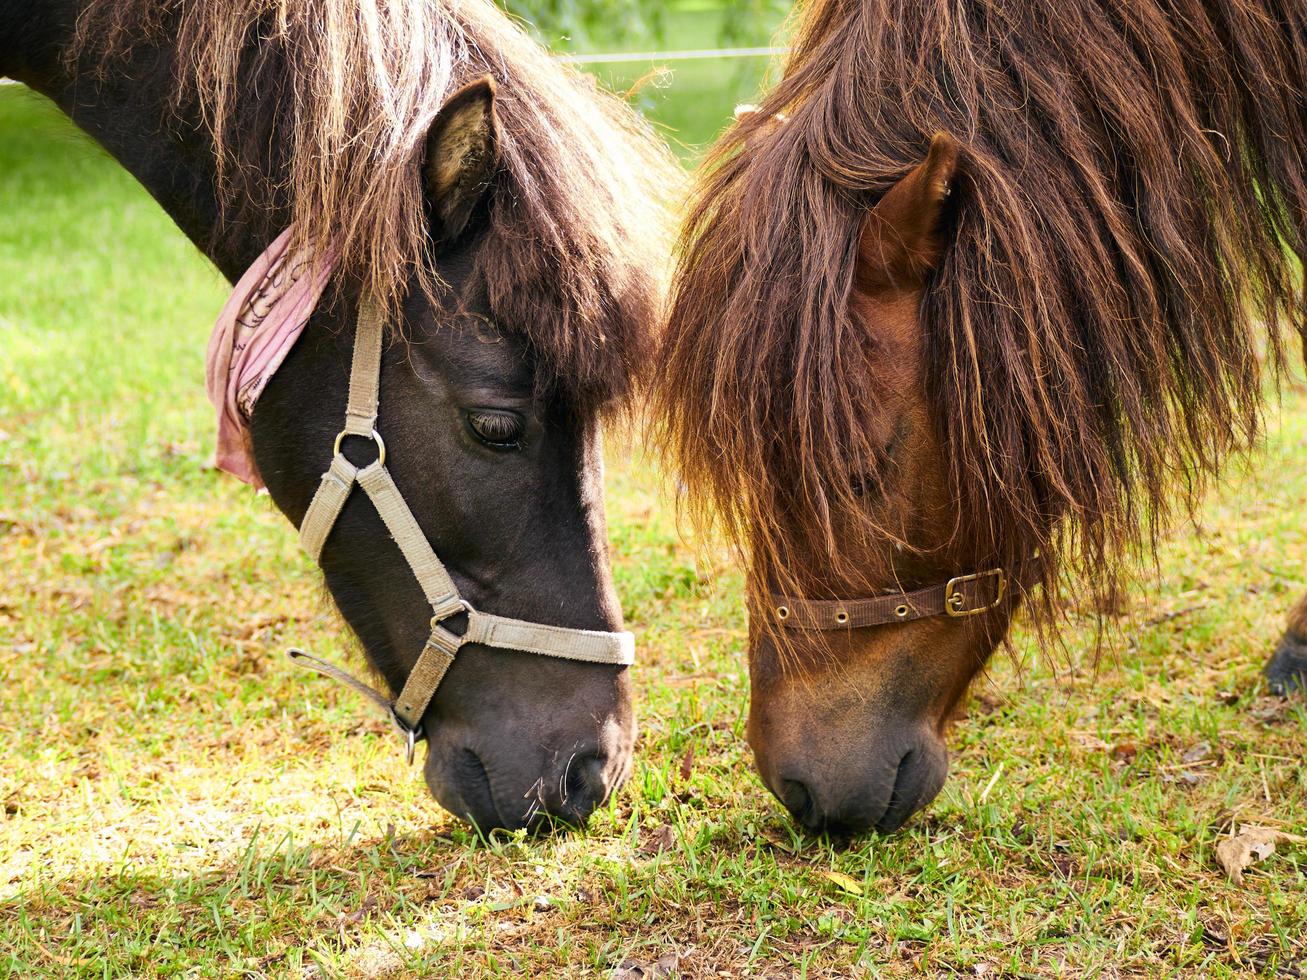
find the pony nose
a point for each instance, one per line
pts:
(493, 794)
(879, 796)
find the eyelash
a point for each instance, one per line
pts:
(511, 429)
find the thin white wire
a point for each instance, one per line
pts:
(692, 55)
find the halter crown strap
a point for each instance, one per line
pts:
(365, 372)
(437, 656)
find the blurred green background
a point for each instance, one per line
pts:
(580, 25)
(689, 100)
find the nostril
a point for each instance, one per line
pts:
(798, 800)
(919, 777)
(473, 784)
(903, 775)
(579, 789)
(583, 781)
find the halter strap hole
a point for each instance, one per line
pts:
(841, 617)
(901, 610)
(783, 612)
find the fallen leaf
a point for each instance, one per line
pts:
(687, 764)
(1066, 866)
(1268, 710)
(359, 914)
(662, 839)
(1250, 845)
(1196, 754)
(1126, 751)
(664, 966)
(844, 882)
(775, 840)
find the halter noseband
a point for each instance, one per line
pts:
(406, 710)
(958, 598)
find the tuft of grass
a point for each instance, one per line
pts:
(176, 799)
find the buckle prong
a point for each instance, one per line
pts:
(955, 601)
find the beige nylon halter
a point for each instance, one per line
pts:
(590, 646)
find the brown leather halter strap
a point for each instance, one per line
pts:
(958, 598)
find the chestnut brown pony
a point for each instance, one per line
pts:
(967, 310)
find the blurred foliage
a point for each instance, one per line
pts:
(751, 21)
(580, 25)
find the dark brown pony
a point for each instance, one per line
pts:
(508, 217)
(980, 285)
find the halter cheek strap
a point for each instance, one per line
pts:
(442, 646)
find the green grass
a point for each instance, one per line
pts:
(175, 799)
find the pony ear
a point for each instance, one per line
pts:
(462, 156)
(902, 238)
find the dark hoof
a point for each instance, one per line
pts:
(1287, 671)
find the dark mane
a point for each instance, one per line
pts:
(319, 109)
(1134, 179)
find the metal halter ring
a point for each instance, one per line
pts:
(411, 736)
(463, 607)
(375, 437)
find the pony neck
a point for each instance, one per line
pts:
(135, 124)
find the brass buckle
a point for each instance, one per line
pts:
(954, 600)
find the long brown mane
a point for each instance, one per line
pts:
(320, 109)
(1134, 179)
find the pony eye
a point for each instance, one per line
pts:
(870, 485)
(498, 430)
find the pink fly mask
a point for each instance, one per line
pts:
(258, 326)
